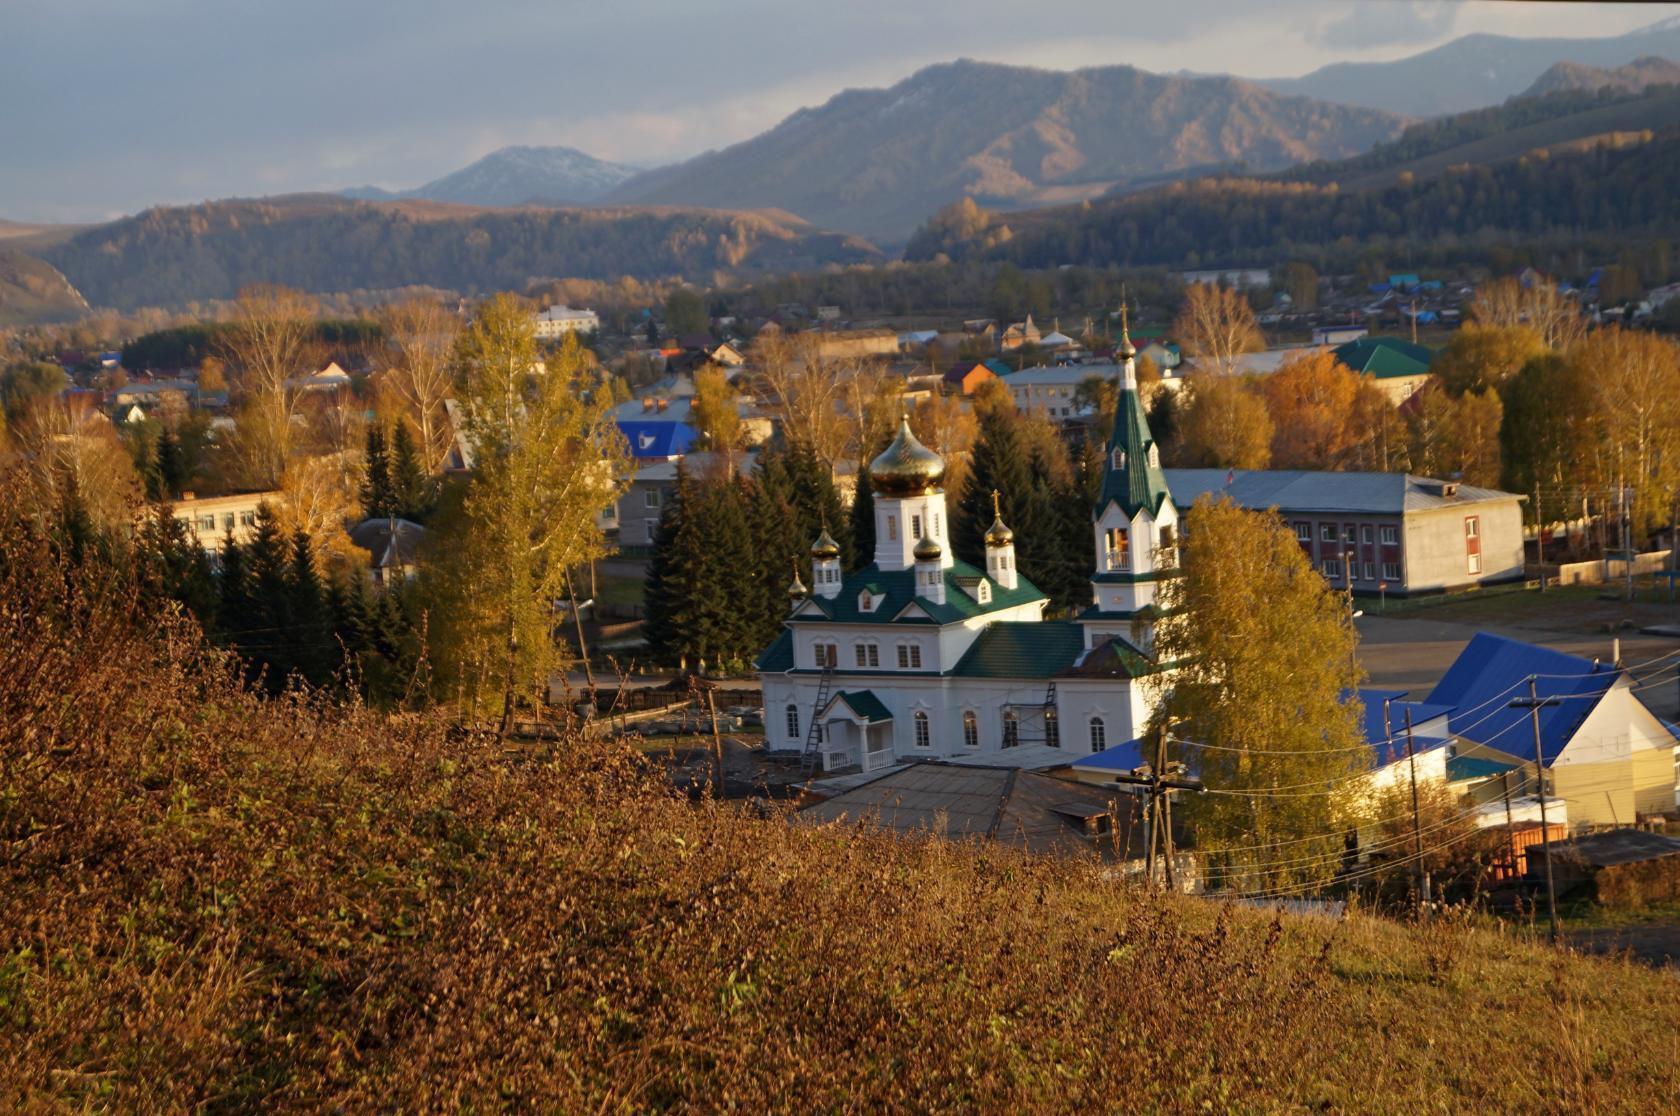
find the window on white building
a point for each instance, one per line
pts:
(1474, 563)
(909, 656)
(1052, 728)
(828, 655)
(924, 738)
(1303, 532)
(651, 496)
(1119, 546)
(1326, 532)
(892, 527)
(971, 729)
(916, 527)
(1011, 728)
(793, 721)
(1390, 536)
(1099, 734)
(868, 654)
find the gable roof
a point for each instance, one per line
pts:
(1116, 758)
(1039, 813)
(1380, 735)
(778, 657)
(1301, 490)
(896, 590)
(1022, 649)
(658, 439)
(863, 704)
(1492, 670)
(1385, 357)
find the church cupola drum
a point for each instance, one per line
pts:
(907, 480)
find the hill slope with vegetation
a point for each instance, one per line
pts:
(32, 291)
(324, 243)
(208, 900)
(1607, 194)
(877, 161)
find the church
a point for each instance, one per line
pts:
(921, 656)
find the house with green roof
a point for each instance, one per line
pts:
(922, 656)
(1399, 367)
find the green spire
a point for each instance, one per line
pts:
(1132, 475)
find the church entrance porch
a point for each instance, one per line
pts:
(857, 731)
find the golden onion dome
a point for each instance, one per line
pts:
(928, 551)
(906, 468)
(998, 534)
(825, 547)
(797, 589)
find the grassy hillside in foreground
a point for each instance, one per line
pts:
(207, 901)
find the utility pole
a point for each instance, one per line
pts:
(1417, 826)
(1539, 538)
(1159, 784)
(1534, 703)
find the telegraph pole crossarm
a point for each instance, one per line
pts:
(1159, 781)
(1534, 703)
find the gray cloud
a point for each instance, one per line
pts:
(112, 105)
(1390, 23)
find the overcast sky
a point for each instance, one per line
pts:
(107, 106)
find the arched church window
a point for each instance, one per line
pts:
(1099, 734)
(1052, 728)
(924, 739)
(1011, 728)
(1119, 546)
(793, 721)
(971, 729)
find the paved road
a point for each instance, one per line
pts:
(1414, 654)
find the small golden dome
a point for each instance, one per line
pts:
(928, 551)
(998, 534)
(906, 468)
(797, 589)
(825, 547)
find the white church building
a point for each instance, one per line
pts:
(921, 656)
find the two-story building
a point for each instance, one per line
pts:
(1381, 532)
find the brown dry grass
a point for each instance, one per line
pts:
(210, 901)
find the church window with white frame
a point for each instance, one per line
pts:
(971, 729)
(924, 737)
(1099, 734)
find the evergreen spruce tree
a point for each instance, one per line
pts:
(669, 586)
(998, 462)
(411, 486)
(234, 605)
(863, 517)
(310, 631)
(171, 566)
(720, 552)
(378, 499)
(779, 551)
(171, 466)
(816, 501)
(267, 640)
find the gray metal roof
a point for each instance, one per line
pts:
(1039, 813)
(1300, 490)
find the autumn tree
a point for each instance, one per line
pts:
(270, 343)
(1454, 437)
(1223, 424)
(420, 337)
(1263, 654)
(546, 460)
(714, 411)
(1479, 357)
(1539, 307)
(1549, 434)
(1638, 406)
(1315, 403)
(1216, 326)
(805, 393)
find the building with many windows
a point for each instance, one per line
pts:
(919, 655)
(1381, 532)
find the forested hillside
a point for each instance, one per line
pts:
(324, 243)
(1615, 193)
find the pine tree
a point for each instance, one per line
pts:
(815, 499)
(171, 566)
(378, 499)
(411, 487)
(233, 591)
(266, 641)
(999, 461)
(779, 551)
(171, 466)
(719, 541)
(863, 520)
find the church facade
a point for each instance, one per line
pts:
(922, 656)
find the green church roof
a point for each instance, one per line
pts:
(896, 589)
(1022, 649)
(864, 704)
(1138, 483)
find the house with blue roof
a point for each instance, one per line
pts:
(922, 656)
(1607, 756)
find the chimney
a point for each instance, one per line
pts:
(647, 403)
(662, 405)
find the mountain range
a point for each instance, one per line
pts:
(878, 161)
(1631, 78)
(1472, 71)
(515, 176)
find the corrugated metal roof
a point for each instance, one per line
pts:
(778, 657)
(1300, 490)
(658, 439)
(1039, 813)
(1022, 649)
(1492, 670)
(1385, 357)
(1618, 846)
(1119, 758)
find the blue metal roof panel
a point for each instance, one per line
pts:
(1492, 670)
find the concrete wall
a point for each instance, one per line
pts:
(1435, 556)
(1602, 570)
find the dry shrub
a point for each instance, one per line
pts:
(211, 900)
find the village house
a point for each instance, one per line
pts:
(557, 321)
(1399, 368)
(965, 376)
(213, 518)
(1383, 533)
